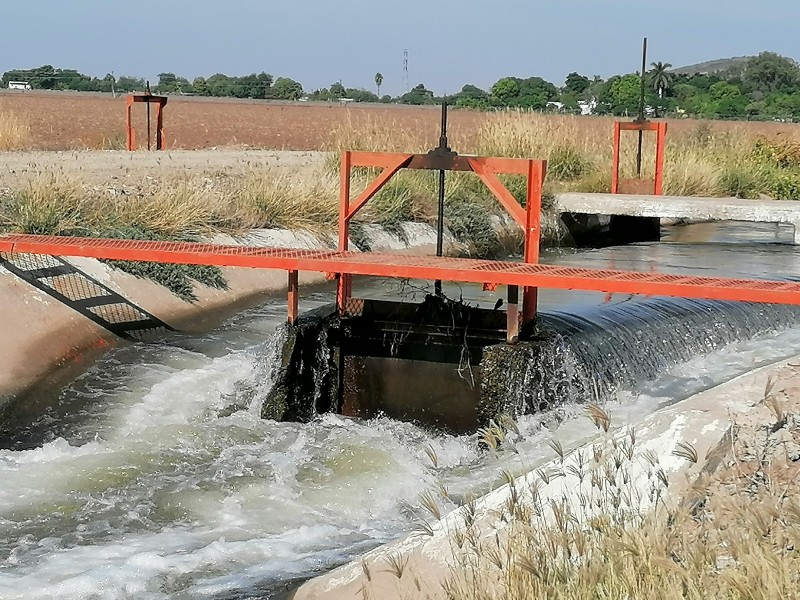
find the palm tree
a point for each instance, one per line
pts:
(378, 82)
(660, 77)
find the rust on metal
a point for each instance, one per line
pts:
(147, 98)
(412, 267)
(653, 186)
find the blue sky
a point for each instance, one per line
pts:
(450, 43)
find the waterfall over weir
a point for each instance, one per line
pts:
(588, 357)
(458, 379)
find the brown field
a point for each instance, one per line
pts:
(71, 121)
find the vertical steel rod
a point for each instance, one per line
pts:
(440, 214)
(147, 102)
(641, 110)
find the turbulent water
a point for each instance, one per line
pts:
(153, 477)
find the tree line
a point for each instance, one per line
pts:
(766, 86)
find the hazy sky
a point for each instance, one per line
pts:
(450, 43)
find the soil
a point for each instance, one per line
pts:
(67, 121)
(72, 120)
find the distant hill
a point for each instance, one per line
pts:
(720, 65)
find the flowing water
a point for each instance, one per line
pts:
(153, 476)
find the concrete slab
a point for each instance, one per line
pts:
(683, 207)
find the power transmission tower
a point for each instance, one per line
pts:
(406, 87)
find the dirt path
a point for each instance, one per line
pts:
(120, 169)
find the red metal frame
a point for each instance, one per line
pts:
(617, 185)
(466, 270)
(487, 169)
(130, 132)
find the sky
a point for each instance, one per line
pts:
(450, 43)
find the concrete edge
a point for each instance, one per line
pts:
(703, 420)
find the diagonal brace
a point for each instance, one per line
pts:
(376, 185)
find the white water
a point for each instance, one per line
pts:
(164, 483)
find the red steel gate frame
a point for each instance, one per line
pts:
(617, 185)
(487, 169)
(130, 132)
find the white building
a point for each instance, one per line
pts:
(587, 106)
(19, 85)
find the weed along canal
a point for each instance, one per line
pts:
(166, 470)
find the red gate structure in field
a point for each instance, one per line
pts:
(147, 99)
(638, 185)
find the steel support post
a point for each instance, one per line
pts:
(537, 169)
(344, 280)
(512, 315)
(293, 297)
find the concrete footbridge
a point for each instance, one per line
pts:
(682, 207)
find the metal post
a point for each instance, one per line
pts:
(293, 297)
(148, 115)
(343, 288)
(641, 116)
(512, 315)
(440, 214)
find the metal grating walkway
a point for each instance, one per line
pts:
(411, 267)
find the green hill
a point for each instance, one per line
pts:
(720, 65)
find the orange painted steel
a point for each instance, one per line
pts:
(487, 169)
(412, 267)
(660, 130)
(130, 132)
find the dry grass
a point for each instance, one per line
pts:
(300, 198)
(735, 536)
(14, 131)
(703, 159)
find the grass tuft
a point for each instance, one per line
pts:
(14, 131)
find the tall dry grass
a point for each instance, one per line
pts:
(14, 131)
(702, 159)
(734, 535)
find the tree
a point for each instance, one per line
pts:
(576, 84)
(660, 77)
(127, 83)
(418, 95)
(471, 96)
(770, 72)
(623, 94)
(166, 81)
(200, 87)
(506, 91)
(287, 89)
(378, 82)
(337, 90)
(722, 90)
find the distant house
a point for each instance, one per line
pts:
(587, 106)
(556, 106)
(19, 85)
